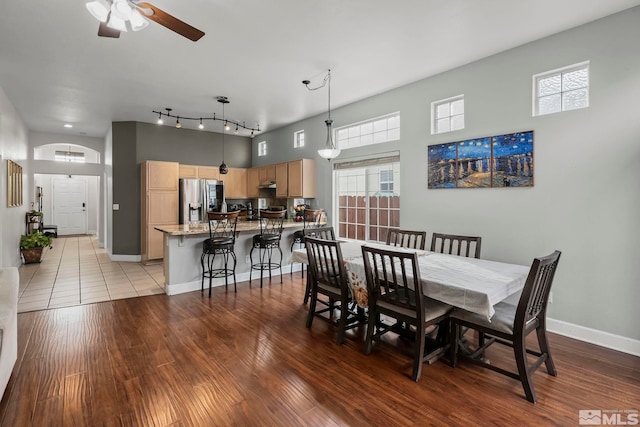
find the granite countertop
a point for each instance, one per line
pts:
(186, 229)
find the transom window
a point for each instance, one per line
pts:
(374, 131)
(262, 148)
(561, 90)
(69, 156)
(298, 139)
(447, 115)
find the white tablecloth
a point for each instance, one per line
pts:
(472, 284)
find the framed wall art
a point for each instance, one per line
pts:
(14, 184)
(491, 161)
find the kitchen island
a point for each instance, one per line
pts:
(183, 248)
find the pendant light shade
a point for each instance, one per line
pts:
(223, 169)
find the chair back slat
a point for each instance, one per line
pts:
(406, 238)
(535, 294)
(393, 277)
(453, 244)
(223, 224)
(326, 233)
(271, 222)
(326, 264)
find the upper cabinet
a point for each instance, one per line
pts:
(282, 177)
(192, 171)
(160, 175)
(253, 180)
(208, 172)
(235, 183)
(267, 174)
(302, 178)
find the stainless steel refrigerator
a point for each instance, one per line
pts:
(197, 197)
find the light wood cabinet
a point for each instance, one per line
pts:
(253, 180)
(267, 174)
(302, 178)
(159, 205)
(235, 183)
(281, 180)
(188, 171)
(209, 172)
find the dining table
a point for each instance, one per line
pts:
(472, 284)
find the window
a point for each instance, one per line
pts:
(386, 181)
(298, 139)
(262, 148)
(447, 115)
(69, 156)
(368, 197)
(561, 90)
(374, 131)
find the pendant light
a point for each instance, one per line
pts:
(223, 166)
(330, 151)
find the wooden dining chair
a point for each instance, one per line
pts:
(395, 290)
(454, 244)
(406, 238)
(511, 324)
(326, 233)
(329, 278)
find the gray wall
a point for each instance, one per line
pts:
(134, 143)
(586, 197)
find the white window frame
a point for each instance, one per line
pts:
(559, 71)
(434, 111)
(388, 182)
(377, 130)
(262, 148)
(298, 139)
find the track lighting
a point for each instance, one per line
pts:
(201, 120)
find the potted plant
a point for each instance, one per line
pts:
(31, 246)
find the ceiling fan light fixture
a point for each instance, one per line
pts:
(137, 21)
(99, 9)
(116, 23)
(121, 9)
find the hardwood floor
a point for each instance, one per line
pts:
(247, 359)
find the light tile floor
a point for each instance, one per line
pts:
(76, 271)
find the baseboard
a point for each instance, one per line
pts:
(196, 285)
(593, 336)
(126, 258)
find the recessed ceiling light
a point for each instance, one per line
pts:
(68, 125)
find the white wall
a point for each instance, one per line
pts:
(13, 146)
(586, 197)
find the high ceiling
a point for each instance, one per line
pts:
(56, 70)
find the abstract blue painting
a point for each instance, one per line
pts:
(492, 161)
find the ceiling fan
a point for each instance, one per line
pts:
(116, 16)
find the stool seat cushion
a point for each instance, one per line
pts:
(261, 240)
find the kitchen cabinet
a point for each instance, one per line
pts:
(235, 183)
(302, 178)
(193, 171)
(159, 205)
(209, 172)
(188, 171)
(267, 174)
(253, 180)
(281, 180)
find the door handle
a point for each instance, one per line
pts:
(83, 204)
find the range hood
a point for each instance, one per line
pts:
(267, 185)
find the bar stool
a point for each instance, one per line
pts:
(221, 241)
(268, 240)
(310, 218)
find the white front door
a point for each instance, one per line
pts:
(70, 205)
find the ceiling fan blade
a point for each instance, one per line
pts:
(170, 22)
(105, 31)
